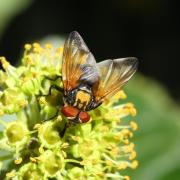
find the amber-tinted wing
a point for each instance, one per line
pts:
(113, 75)
(78, 64)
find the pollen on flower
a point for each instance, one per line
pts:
(85, 162)
(76, 138)
(115, 151)
(33, 159)
(126, 178)
(18, 161)
(29, 60)
(41, 150)
(109, 162)
(134, 164)
(37, 48)
(126, 133)
(101, 174)
(122, 165)
(27, 47)
(120, 95)
(65, 145)
(22, 103)
(1, 112)
(132, 155)
(11, 174)
(128, 148)
(37, 126)
(4, 62)
(59, 50)
(36, 45)
(131, 109)
(118, 136)
(133, 125)
(129, 105)
(104, 128)
(42, 101)
(126, 141)
(48, 46)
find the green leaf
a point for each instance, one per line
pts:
(9, 9)
(157, 139)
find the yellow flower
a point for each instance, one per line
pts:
(100, 149)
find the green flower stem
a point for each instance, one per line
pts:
(32, 113)
(5, 157)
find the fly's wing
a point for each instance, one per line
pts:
(78, 63)
(113, 75)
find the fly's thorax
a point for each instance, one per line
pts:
(69, 98)
(83, 98)
(80, 97)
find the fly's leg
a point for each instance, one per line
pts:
(53, 79)
(50, 93)
(51, 118)
(54, 87)
(96, 105)
(64, 130)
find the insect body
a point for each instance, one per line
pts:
(80, 100)
(87, 83)
(81, 97)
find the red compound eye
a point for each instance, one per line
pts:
(70, 111)
(84, 117)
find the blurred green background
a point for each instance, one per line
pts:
(158, 137)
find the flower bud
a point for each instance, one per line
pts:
(13, 100)
(76, 173)
(16, 132)
(30, 171)
(49, 135)
(51, 163)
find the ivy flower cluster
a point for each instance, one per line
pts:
(31, 145)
